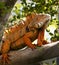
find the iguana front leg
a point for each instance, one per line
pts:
(41, 40)
(27, 40)
(5, 48)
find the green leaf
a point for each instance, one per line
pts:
(18, 16)
(48, 30)
(53, 39)
(50, 33)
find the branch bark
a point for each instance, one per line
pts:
(30, 57)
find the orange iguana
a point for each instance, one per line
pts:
(24, 33)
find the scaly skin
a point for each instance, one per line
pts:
(23, 34)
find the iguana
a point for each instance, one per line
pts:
(24, 33)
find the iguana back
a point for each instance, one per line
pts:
(15, 32)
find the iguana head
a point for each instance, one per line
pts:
(39, 20)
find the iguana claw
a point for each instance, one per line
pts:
(5, 59)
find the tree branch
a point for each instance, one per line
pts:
(29, 56)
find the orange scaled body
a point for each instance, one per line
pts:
(24, 33)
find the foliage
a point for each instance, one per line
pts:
(38, 6)
(53, 30)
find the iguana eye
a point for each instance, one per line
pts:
(3, 41)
